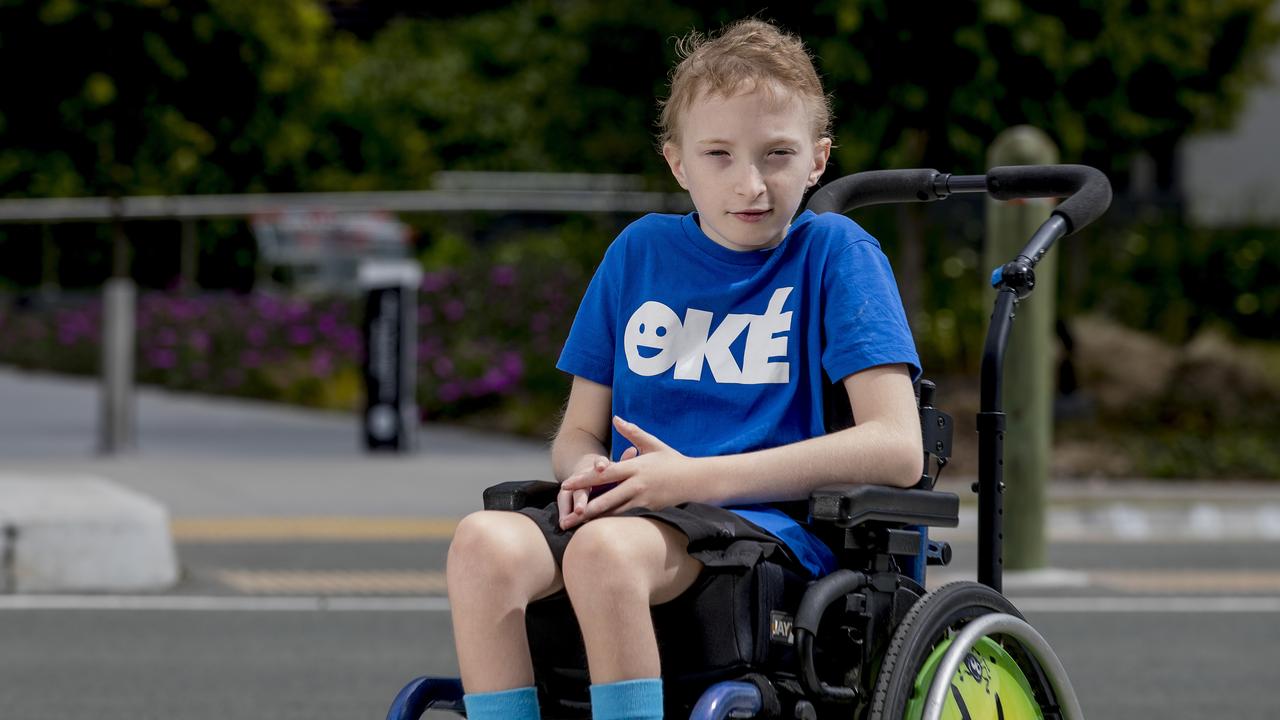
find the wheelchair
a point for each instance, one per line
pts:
(865, 641)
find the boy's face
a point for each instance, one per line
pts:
(746, 160)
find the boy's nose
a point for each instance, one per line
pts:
(750, 182)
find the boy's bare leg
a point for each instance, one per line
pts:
(498, 562)
(614, 569)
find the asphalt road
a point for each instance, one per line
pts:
(214, 649)
(318, 665)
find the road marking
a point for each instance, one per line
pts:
(311, 529)
(308, 582)
(1150, 582)
(426, 582)
(1115, 524)
(222, 603)
(231, 603)
(1209, 604)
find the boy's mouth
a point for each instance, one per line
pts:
(752, 216)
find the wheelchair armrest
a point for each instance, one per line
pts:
(848, 505)
(516, 494)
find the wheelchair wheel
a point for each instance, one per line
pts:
(991, 683)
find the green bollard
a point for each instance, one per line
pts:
(1028, 374)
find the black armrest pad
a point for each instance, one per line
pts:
(849, 505)
(516, 494)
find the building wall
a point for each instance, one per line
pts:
(1233, 178)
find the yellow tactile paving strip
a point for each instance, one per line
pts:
(355, 582)
(312, 529)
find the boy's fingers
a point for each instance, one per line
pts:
(629, 453)
(638, 437)
(594, 466)
(573, 506)
(576, 479)
(590, 480)
(578, 509)
(615, 473)
(564, 502)
(608, 502)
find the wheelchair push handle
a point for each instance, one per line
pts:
(1087, 192)
(1086, 189)
(879, 187)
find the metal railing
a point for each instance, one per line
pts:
(116, 430)
(163, 207)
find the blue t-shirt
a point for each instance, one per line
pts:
(718, 352)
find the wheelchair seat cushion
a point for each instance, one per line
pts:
(717, 537)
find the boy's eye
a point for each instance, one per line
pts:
(717, 153)
(781, 151)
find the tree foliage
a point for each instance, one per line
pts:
(121, 97)
(1105, 78)
(569, 86)
(572, 85)
(149, 96)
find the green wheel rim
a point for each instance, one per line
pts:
(988, 684)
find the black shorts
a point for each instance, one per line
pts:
(718, 538)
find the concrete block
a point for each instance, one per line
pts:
(82, 534)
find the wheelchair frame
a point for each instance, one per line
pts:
(880, 528)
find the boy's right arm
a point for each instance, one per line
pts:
(580, 445)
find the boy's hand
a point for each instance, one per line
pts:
(650, 474)
(572, 500)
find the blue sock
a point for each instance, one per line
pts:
(517, 704)
(627, 700)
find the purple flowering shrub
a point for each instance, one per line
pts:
(260, 345)
(59, 335)
(488, 338)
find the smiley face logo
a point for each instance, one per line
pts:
(975, 667)
(650, 339)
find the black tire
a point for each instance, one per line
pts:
(927, 623)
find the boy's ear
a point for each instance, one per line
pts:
(675, 162)
(821, 153)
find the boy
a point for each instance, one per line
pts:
(698, 357)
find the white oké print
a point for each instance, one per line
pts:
(656, 330)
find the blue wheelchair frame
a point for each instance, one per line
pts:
(1088, 194)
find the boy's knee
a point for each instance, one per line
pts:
(603, 554)
(492, 542)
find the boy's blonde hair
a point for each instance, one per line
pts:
(748, 54)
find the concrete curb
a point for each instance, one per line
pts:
(82, 534)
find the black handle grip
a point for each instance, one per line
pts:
(875, 187)
(1087, 190)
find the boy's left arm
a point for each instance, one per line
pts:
(883, 448)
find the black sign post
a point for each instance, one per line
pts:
(390, 418)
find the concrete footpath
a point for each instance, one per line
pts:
(204, 457)
(241, 469)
